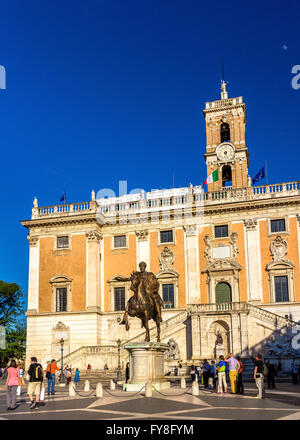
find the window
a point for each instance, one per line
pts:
(278, 225)
(62, 242)
(168, 296)
(61, 299)
(281, 288)
(221, 231)
(166, 236)
(119, 298)
(119, 241)
(226, 176)
(225, 132)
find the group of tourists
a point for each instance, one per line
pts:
(14, 380)
(213, 375)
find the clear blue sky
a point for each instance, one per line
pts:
(101, 91)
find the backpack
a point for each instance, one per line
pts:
(38, 372)
(265, 370)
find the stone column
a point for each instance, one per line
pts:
(142, 248)
(93, 300)
(33, 281)
(253, 261)
(192, 264)
(244, 335)
(196, 355)
(235, 334)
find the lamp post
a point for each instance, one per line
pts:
(61, 360)
(119, 375)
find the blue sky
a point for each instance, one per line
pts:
(101, 91)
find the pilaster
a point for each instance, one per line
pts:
(34, 267)
(93, 299)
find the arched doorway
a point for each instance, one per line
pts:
(223, 293)
(226, 176)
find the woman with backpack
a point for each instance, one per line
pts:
(12, 382)
(221, 367)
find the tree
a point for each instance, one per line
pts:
(15, 343)
(11, 304)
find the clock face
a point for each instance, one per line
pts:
(225, 152)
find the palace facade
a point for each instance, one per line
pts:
(227, 261)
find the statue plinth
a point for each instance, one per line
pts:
(146, 361)
(219, 350)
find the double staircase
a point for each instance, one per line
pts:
(175, 324)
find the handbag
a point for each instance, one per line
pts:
(20, 381)
(48, 375)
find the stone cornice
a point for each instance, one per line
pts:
(56, 221)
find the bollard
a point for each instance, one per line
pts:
(195, 388)
(99, 390)
(148, 389)
(182, 382)
(112, 385)
(86, 385)
(72, 391)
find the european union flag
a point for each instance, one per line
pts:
(260, 175)
(63, 197)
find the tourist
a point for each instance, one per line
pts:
(51, 369)
(294, 372)
(5, 374)
(77, 377)
(206, 371)
(197, 373)
(193, 373)
(105, 367)
(36, 377)
(259, 376)
(176, 371)
(12, 382)
(213, 374)
(21, 379)
(221, 367)
(239, 381)
(69, 375)
(271, 374)
(127, 372)
(89, 367)
(233, 367)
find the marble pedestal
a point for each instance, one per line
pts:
(219, 350)
(146, 361)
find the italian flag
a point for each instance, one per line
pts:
(213, 177)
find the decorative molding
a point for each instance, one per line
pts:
(33, 240)
(190, 230)
(166, 259)
(278, 249)
(251, 224)
(234, 247)
(208, 249)
(93, 236)
(142, 235)
(298, 219)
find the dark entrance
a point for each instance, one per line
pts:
(223, 293)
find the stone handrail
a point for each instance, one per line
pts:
(165, 325)
(88, 350)
(220, 307)
(273, 317)
(226, 195)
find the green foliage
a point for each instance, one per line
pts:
(11, 304)
(13, 320)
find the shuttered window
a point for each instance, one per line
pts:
(119, 298)
(281, 289)
(168, 296)
(61, 299)
(120, 241)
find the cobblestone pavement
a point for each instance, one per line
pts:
(282, 403)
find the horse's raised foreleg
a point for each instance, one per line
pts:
(147, 338)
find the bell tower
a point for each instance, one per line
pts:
(226, 151)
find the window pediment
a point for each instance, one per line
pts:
(61, 279)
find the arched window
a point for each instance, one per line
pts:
(223, 293)
(225, 132)
(226, 176)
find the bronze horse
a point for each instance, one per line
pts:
(142, 304)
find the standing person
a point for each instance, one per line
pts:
(176, 371)
(271, 374)
(259, 376)
(50, 372)
(12, 382)
(213, 373)
(294, 373)
(89, 367)
(206, 370)
(36, 377)
(21, 379)
(279, 367)
(127, 372)
(5, 374)
(193, 373)
(233, 365)
(197, 373)
(239, 382)
(77, 377)
(69, 375)
(221, 368)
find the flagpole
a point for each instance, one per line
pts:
(267, 181)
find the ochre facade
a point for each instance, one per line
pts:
(227, 260)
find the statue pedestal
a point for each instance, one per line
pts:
(219, 350)
(146, 361)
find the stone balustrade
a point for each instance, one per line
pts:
(159, 201)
